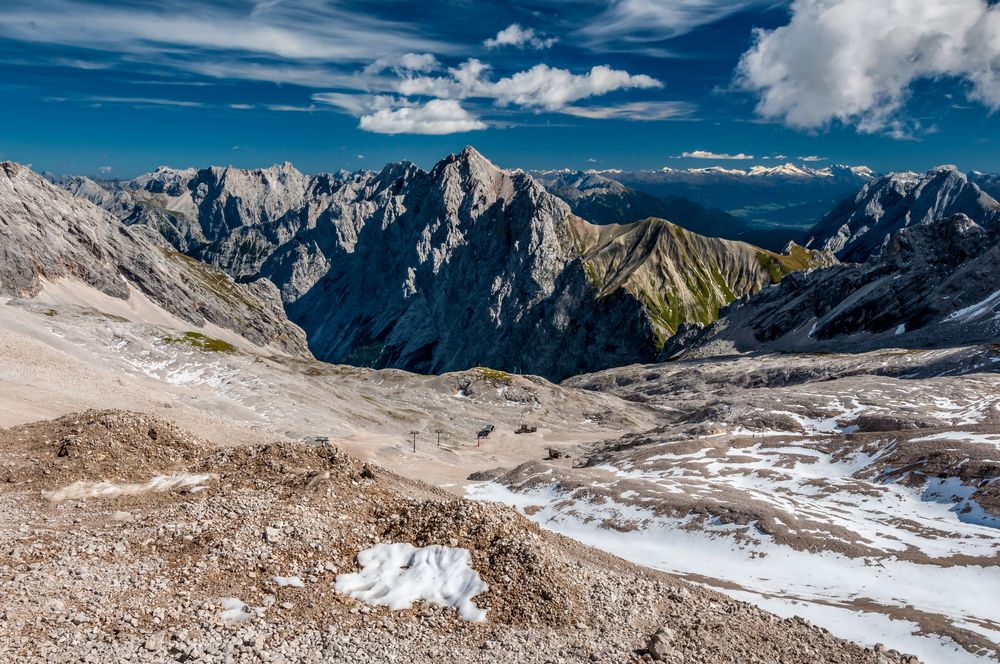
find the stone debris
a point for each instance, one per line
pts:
(209, 576)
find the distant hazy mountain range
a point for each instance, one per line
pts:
(761, 197)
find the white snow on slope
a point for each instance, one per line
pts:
(396, 575)
(106, 489)
(977, 310)
(834, 591)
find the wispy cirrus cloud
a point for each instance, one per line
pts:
(654, 20)
(284, 34)
(638, 110)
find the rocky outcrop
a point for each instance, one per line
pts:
(47, 234)
(862, 225)
(935, 285)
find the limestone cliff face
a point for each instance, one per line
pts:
(476, 266)
(463, 265)
(861, 226)
(46, 235)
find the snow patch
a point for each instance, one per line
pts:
(293, 581)
(396, 575)
(106, 489)
(235, 612)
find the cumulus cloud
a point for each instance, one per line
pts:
(516, 36)
(854, 61)
(718, 156)
(435, 117)
(542, 87)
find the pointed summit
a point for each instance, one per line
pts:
(469, 153)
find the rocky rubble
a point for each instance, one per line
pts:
(191, 575)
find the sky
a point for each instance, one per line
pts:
(119, 87)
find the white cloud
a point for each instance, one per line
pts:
(145, 101)
(355, 104)
(654, 20)
(718, 156)
(361, 156)
(408, 62)
(638, 110)
(854, 61)
(104, 170)
(591, 160)
(813, 157)
(435, 117)
(542, 87)
(221, 39)
(518, 37)
(290, 108)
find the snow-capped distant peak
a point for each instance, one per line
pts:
(789, 170)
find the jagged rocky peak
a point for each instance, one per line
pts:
(165, 180)
(860, 226)
(470, 185)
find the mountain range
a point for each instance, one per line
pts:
(787, 195)
(463, 265)
(467, 264)
(934, 285)
(861, 226)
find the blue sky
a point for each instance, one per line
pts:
(120, 87)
